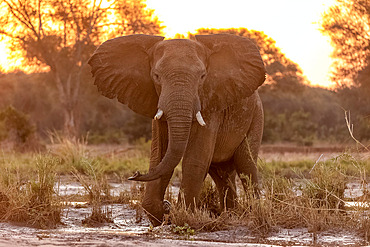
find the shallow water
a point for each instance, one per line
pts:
(125, 231)
(130, 229)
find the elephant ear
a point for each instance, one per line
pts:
(235, 70)
(121, 67)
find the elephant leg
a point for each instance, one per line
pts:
(245, 156)
(155, 190)
(223, 174)
(196, 161)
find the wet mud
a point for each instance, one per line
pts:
(130, 228)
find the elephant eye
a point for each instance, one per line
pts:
(203, 76)
(156, 77)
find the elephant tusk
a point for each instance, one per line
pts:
(200, 119)
(158, 115)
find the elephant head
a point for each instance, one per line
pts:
(176, 80)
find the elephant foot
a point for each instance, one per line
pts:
(157, 215)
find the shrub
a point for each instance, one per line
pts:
(18, 129)
(32, 201)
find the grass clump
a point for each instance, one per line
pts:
(89, 172)
(326, 187)
(317, 201)
(98, 217)
(132, 198)
(72, 152)
(92, 178)
(30, 201)
(198, 219)
(205, 217)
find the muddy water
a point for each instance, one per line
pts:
(130, 230)
(125, 231)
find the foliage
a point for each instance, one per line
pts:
(184, 230)
(297, 127)
(17, 131)
(312, 115)
(199, 219)
(109, 136)
(138, 127)
(134, 17)
(60, 36)
(356, 101)
(33, 95)
(347, 23)
(18, 122)
(77, 157)
(209, 197)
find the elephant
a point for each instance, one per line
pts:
(202, 96)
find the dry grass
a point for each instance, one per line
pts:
(32, 201)
(99, 216)
(98, 190)
(88, 171)
(133, 198)
(199, 219)
(316, 202)
(302, 196)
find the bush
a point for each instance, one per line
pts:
(17, 123)
(17, 129)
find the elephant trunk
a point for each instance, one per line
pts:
(179, 115)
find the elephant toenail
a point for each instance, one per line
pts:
(166, 207)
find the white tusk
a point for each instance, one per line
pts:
(200, 119)
(158, 115)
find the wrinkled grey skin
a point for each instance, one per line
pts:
(215, 76)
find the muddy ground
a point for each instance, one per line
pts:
(127, 229)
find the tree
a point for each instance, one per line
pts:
(136, 18)
(282, 73)
(347, 23)
(61, 35)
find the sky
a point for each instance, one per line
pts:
(293, 24)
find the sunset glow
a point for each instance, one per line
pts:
(5, 62)
(293, 24)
